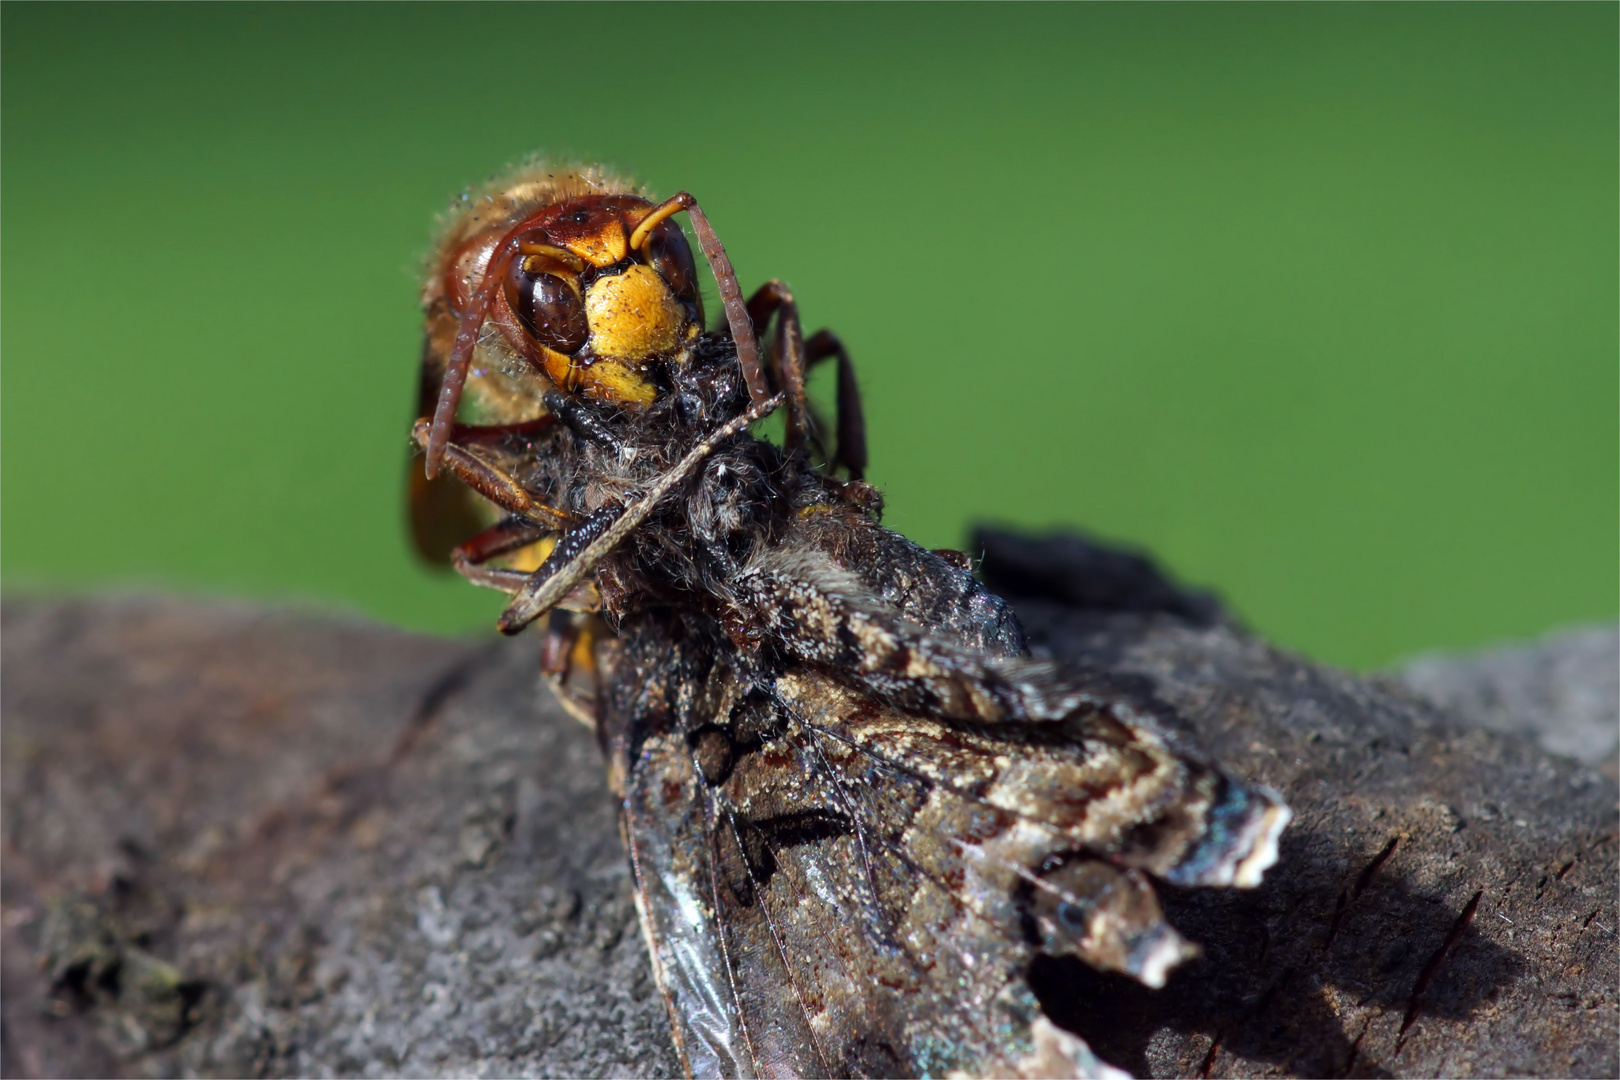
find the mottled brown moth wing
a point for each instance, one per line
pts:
(835, 886)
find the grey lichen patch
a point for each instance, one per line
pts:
(91, 966)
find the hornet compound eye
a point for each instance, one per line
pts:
(548, 305)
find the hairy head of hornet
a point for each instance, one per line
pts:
(567, 296)
(592, 291)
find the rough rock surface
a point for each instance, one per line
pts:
(241, 842)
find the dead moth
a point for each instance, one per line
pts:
(856, 808)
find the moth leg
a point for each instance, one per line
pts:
(579, 419)
(561, 574)
(492, 483)
(851, 452)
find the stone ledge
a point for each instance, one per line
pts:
(248, 842)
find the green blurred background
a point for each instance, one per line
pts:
(1317, 302)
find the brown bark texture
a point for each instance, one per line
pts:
(244, 841)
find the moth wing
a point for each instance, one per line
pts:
(666, 822)
(885, 906)
(833, 886)
(898, 873)
(666, 833)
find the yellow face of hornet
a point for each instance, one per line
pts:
(588, 290)
(568, 280)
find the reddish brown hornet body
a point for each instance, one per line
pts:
(588, 290)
